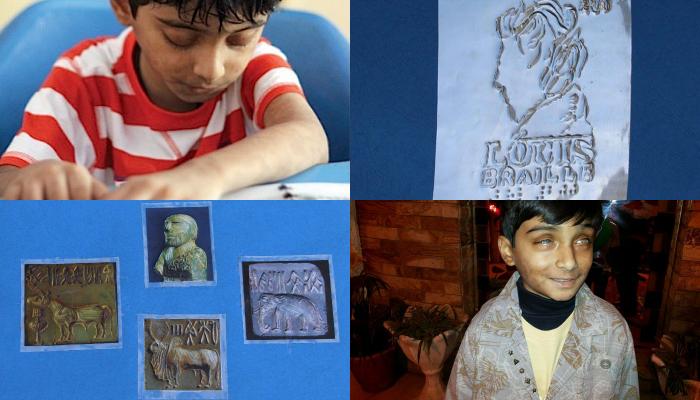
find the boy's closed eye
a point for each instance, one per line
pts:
(183, 35)
(180, 39)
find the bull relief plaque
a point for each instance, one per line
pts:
(70, 305)
(178, 244)
(533, 99)
(287, 299)
(182, 356)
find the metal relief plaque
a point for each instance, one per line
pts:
(533, 99)
(182, 356)
(178, 244)
(288, 299)
(70, 305)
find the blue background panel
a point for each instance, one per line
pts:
(43, 230)
(394, 99)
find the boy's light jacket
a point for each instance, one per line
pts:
(597, 361)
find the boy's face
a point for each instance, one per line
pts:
(553, 260)
(183, 64)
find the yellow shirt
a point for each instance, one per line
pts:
(544, 348)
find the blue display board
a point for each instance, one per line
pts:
(70, 230)
(394, 99)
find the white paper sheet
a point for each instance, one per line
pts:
(533, 99)
(293, 191)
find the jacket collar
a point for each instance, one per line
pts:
(587, 320)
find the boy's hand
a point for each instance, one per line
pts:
(186, 182)
(52, 180)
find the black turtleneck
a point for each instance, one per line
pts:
(543, 313)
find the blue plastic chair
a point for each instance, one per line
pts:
(33, 41)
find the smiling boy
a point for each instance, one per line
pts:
(188, 102)
(546, 336)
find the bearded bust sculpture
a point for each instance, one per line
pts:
(181, 259)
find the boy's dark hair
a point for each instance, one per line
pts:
(552, 212)
(233, 11)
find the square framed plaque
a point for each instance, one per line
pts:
(70, 305)
(288, 299)
(182, 356)
(178, 244)
(534, 99)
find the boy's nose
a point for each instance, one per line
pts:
(565, 258)
(209, 66)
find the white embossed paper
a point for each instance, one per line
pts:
(533, 99)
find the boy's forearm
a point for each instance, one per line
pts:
(270, 155)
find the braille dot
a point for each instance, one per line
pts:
(605, 364)
(522, 370)
(516, 362)
(510, 352)
(527, 380)
(534, 390)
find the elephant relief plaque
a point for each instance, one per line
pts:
(70, 305)
(288, 299)
(533, 99)
(182, 356)
(178, 244)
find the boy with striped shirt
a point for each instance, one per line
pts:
(188, 102)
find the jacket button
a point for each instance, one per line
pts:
(516, 362)
(605, 364)
(522, 370)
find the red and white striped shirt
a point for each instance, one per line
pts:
(92, 110)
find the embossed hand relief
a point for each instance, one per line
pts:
(288, 299)
(70, 305)
(533, 99)
(182, 353)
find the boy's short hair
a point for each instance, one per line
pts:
(233, 11)
(552, 212)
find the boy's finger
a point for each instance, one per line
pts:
(57, 188)
(12, 192)
(79, 184)
(32, 190)
(118, 193)
(130, 193)
(99, 190)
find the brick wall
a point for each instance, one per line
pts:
(683, 302)
(416, 247)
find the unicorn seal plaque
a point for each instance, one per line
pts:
(70, 305)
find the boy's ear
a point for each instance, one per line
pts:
(122, 9)
(506, 250)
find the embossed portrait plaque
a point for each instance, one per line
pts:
(178, 244)
(533, 99)
(70, 305)
(288, 299)
(182, 356)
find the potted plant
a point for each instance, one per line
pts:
(677, 364)
(372, 352)
(427, 337)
